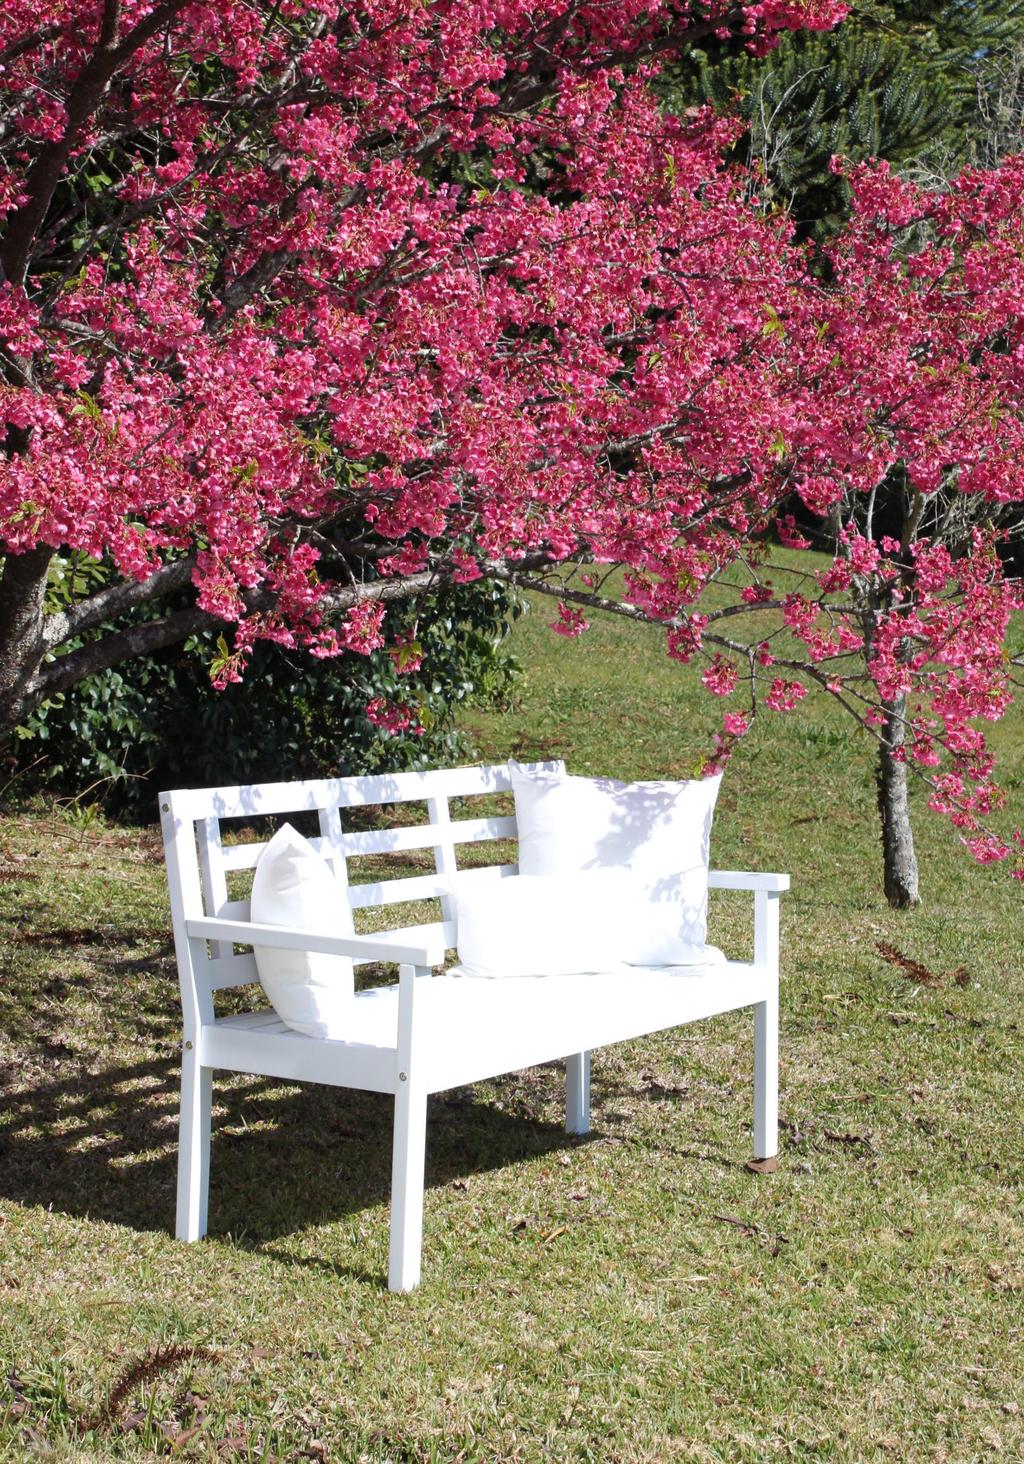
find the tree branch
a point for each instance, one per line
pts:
(82, 101)
(115, 600)
(100, 655)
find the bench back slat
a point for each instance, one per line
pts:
(212, 870)
(199, 860)
(259, 799)
(378, 841)
(419, 887)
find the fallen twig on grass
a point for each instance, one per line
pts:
(920, 973)
(155, 1361)
(751, 1230)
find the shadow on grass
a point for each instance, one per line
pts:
(103, 1145)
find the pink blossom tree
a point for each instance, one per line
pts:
(308, 307)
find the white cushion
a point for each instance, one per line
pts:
(293, 885)
(659, 832)
(551, 926)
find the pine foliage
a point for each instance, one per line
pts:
(899, 79)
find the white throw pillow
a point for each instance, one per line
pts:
(294, 885)
(659, 832)
(552, 926)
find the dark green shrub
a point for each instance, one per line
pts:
(156, 722)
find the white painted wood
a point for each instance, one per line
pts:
(766, 929)
(444, 853)
(475, 1029)
(766, 1078)
(419, 886)
(745, 879)
(436, 937)
(330, 845)
(409, 1148)
(766, 1027)
(260, 799)
(186, 899)
(577, 1093)
(193, 1146)
(278, 1052)
(211, 865)
(236, 910)
(424, 836)
(396, 891)
(284, 937)
(226, 972)
(420, 1035)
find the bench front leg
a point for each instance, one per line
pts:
(766, 1027)
(407, 1187)
(577, 1093)
(410, 1133)
(193, 1145)
(766, 1078)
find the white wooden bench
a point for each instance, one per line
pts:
(426, 1032)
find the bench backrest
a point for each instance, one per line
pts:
(200, 858)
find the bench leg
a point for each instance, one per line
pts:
(193, 1147)
(766, 1078)
(407, 1188)
(577, 1093)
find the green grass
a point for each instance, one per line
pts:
(637, 1295)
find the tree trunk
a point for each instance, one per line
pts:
(900, 861)
(22, 604)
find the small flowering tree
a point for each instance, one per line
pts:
(901, 437)
(308, 307)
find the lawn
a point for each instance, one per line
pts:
(637, 1295)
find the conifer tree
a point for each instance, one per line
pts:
(899, 80)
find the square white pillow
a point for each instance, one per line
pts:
(294, 885)
(659, 832)
(550, 926)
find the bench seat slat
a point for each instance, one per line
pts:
(474, 1028)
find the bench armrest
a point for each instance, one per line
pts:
(288, 938)
(745, 879)
(766, 889)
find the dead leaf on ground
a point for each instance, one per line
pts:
(234, 1444)
(178, 1441)
(761, 1166)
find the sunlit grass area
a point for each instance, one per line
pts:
(636, 1295)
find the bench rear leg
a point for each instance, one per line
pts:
(193, 1147)
(766, 1078)
(577, 1093)
(407, 1187)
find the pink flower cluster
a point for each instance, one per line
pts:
(621, 358)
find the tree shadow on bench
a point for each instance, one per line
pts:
(103, 1146)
